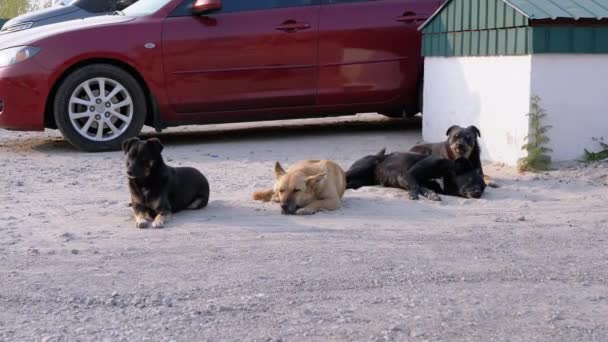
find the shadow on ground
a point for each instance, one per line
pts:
(285, 129)
(52, 142)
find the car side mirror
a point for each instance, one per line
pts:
(205, 6)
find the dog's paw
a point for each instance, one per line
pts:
(494, 185)
(433, 197)
(305, 211)
(490, 182)
(141, 224)
(158, 223)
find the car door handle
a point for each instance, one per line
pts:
(411, 18)
(292, 26)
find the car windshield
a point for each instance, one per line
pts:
(145, 7)
(96, 6)
(63, 2)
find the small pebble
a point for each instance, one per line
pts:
(416, 333)
(167, 302)
(396, 328)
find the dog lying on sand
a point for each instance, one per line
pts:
(157, 190)
(306, 187)
(461, 143)
(417, 174)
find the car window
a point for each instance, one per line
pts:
(63, 2)
(229, 6)
(252, 5)
(331, 2)
(92, 5)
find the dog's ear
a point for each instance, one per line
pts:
(381, 153)
(316, 179)
(155, 145)
(278, 170)
(475, 129)
(126, 144)
(449, 131)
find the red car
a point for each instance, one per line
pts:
(175, 62)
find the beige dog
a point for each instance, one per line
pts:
(306, 187)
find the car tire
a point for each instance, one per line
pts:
(401, 114)
(421, 96)
(98, 106)
(397, 114)
(408, 111)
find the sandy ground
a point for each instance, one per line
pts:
(527, 262)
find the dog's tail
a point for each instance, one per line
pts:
(264, 195)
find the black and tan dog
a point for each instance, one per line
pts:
(416, 173)
(461, 143)
(157, 190)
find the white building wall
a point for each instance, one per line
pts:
(492, 93)
(574, 92)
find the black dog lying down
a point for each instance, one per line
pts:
(157, 190)
(417, 173)
(461, 143)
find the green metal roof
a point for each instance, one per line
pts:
(543, 9)
(553, 9)
(516, 27)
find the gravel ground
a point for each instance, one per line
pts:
(528, 262)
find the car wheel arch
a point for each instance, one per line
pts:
(152, 116)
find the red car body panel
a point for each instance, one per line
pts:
(242, 60)
(129, 49)
(230, 67)
(23, 84)
(369, 58)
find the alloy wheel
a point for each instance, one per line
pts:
(100, 109)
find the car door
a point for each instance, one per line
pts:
(369, 50)
(252, 54)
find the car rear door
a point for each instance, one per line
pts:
(252, 54)
(369, 50)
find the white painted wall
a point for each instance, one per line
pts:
(492, 93)
(574, 92)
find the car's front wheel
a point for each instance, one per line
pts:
(98, 106)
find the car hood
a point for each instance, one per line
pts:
(42, 14)
(31, 36)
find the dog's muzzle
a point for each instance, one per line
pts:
(462, 150)
(288, 209)
(473, 194)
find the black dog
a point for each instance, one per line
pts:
(416, 173)
(157, 190)
(461, 143)
(363, 171)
